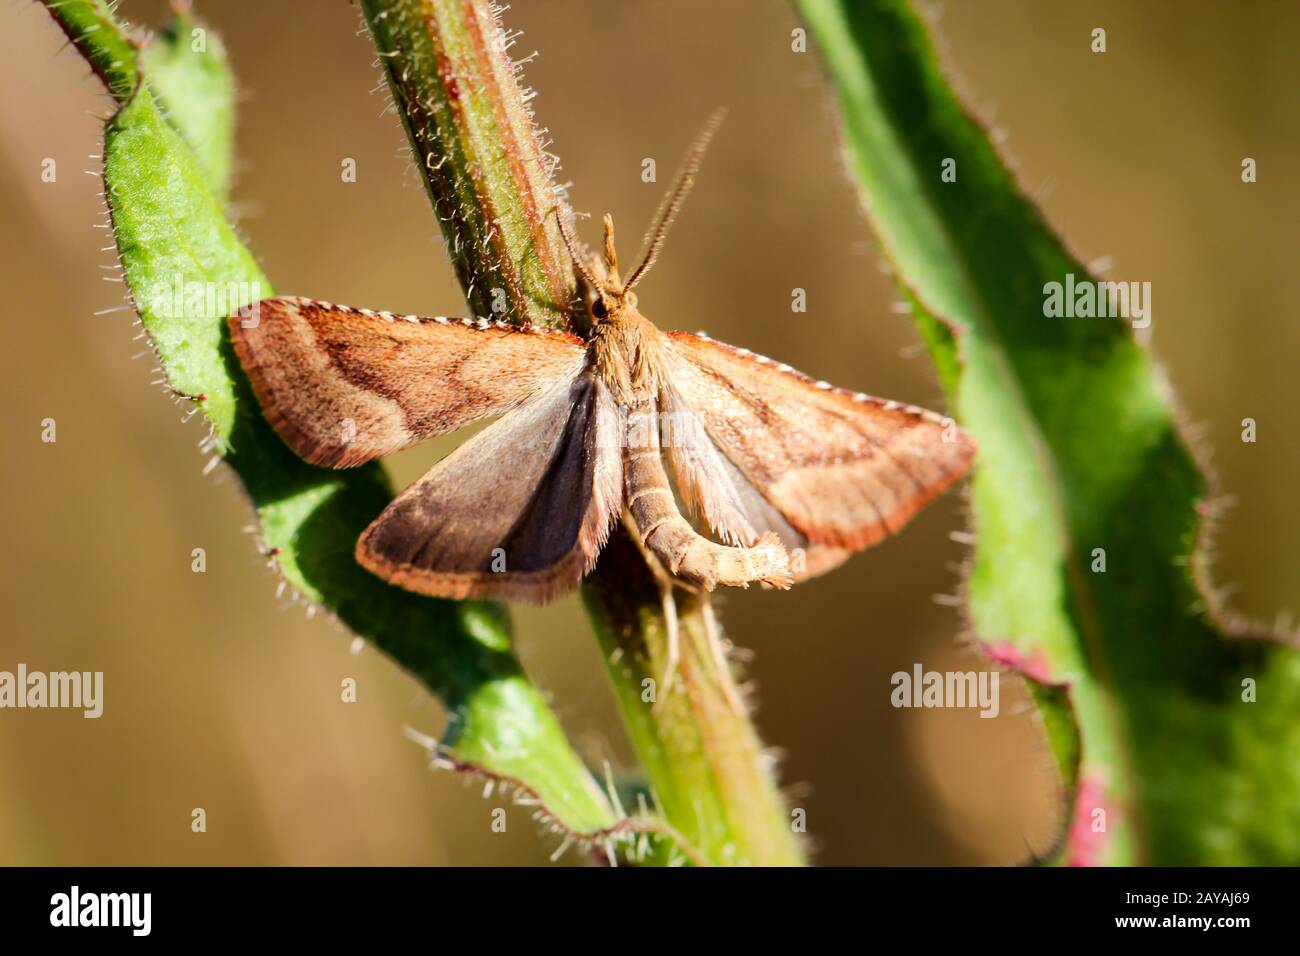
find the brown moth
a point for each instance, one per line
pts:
(788, 475)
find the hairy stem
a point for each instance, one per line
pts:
(477, 150)
(90, 27)
(703, 761)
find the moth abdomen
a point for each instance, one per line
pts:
(687, 554)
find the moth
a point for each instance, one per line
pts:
(726, 467)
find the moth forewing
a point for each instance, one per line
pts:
(343, 386)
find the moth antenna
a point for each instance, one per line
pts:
(573, 251)
(673, 199)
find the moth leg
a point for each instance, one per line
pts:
(669, 605)
(721, 667)
(665, 582)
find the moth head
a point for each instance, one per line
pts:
(607, 293)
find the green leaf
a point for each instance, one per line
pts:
(186, 67)
(187, 270)
(1079, 450)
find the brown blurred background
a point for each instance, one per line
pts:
(221, 696)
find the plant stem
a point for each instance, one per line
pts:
(490, 184)
(477, 151)
(703, 760)
(90, 27)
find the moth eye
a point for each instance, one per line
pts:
(598, 309)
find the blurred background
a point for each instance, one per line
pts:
(219, 695)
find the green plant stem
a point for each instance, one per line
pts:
(90, 27)
(475, 144)
(703, 760)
